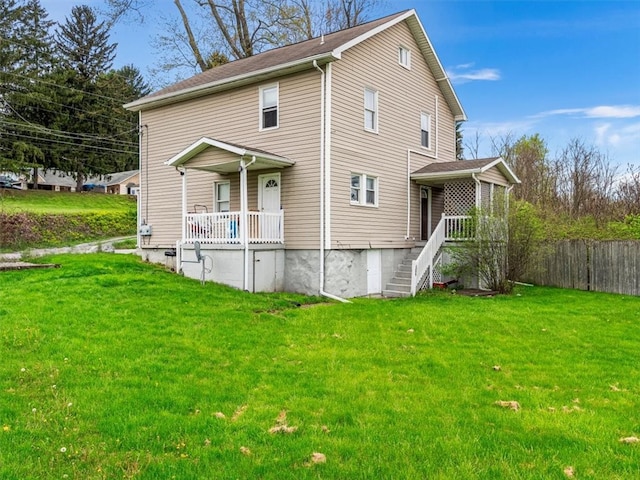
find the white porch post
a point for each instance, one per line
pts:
(243, 230)
(183, 173)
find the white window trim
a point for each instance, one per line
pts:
(261, 106)
(362, 202)
(406, 64)
(375, 110)
(429, 131)
(216, 202)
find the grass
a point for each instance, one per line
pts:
(112, 368)
(40, 201)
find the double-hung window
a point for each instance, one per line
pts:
(425, 130)
(404, 57)
(364, 190)
(222, 196)
(370, 110)
(269, 107)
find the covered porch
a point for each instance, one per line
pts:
(223, 225)
(449, 194)
(233, 238)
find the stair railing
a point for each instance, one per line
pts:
(424, 262)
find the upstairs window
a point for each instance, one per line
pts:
(364, 190)
(404, 57)
(269, 107)
(370, 110)
(222, 196)
(425, 130)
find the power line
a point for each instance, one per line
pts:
(49, 140)
(60, 133)
(53, 84)
(67, 135)
(15, 91)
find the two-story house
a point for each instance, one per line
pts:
(315, 167)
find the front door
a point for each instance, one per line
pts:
(269, 192)
(269, 202)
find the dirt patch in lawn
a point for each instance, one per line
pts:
(5, 266)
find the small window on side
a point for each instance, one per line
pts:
(268, 107)
(425, 130)
(222, 196)
(404, 57)
(370, 110)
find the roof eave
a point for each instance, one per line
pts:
(201, 145)
(444, 175)
(231, 82)
(501, 165)
(438, 70)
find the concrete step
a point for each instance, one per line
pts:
(395, 294)
(400, 281)
(399, 287)
(403, 274)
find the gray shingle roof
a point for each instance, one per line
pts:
(464, 168)
(277, 56)
(297, 57)
(457, 166)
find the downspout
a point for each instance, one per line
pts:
(244, 226)
(183, 229)
(408, 235)
(436, 132)
(322, 186)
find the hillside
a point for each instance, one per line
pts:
(35, 219)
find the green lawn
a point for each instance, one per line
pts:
(112, 368)
(40, 201)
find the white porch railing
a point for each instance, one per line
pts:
(225, 228)
(458, 227)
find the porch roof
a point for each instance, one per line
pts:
(440, 171)
(263, 158)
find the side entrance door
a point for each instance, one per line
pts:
(269, 202)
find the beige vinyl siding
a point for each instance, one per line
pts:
(234, 117)
(402, 96)
(493, 175)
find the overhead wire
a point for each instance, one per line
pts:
(51, 140)
(59, 133)
(69, 107)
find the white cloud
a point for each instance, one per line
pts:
(601, 111)
(463, 73)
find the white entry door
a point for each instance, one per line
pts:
(269, 202)
(374, 272)
(269, 192)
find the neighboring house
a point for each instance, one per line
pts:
(316, 167)
(123, 183)
(54, 180)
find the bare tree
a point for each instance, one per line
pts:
(472, 146)
(235, 29)
(586, 180)
(628, 191)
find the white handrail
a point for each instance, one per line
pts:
(425, 260)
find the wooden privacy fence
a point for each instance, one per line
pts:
(601, 266)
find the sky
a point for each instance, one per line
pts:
(564, 69)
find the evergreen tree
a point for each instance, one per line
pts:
(25, 55)
(83, 44)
